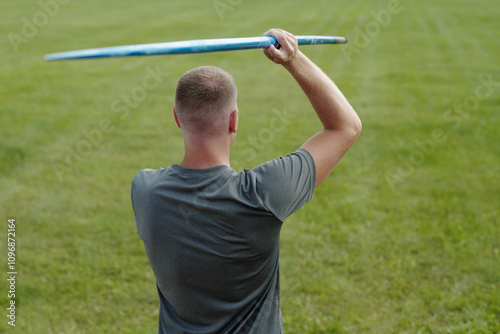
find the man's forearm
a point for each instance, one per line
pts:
(333, 109)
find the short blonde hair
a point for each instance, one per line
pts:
(204, 97)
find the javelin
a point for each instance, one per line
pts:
(193, 46)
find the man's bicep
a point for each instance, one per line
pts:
(327, 148)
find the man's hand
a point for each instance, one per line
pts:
(287, 47)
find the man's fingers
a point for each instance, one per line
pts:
(273, 54)
(285, 48)
(266, 52)
(276, 33)
(273, 51)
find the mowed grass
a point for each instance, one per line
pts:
(403, 237)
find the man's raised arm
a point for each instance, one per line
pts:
(341, 123)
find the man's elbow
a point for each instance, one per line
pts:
(354, 129)
(358, 127)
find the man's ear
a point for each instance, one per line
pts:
(233, 121)
(176, 120)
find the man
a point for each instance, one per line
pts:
(212, 234)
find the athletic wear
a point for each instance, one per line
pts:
(212, 239)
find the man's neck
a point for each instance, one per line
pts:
(199, 154)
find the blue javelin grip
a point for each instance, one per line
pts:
(185, 47)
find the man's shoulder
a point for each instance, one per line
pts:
(280, 164)
(144, 174)
(146, 177)
(284, 184)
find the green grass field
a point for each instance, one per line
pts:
(403, 237)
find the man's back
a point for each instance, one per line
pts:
(211, 234)
(212, 238)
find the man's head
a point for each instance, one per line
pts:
(205, 98)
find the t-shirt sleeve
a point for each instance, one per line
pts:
(285, 184)
(139, 194)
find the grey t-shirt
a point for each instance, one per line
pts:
(212, 239)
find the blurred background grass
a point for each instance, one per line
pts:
(397, 240)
